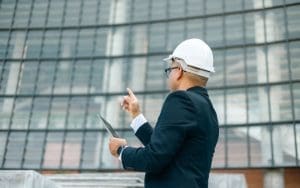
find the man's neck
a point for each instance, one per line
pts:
(187, 85)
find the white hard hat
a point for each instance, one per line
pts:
(196, 56)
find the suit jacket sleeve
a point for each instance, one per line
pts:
(144, 133)
(167, 138)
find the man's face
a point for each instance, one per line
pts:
(173, 78)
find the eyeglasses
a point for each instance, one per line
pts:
(168, 70)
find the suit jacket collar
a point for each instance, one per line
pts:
(198, 89)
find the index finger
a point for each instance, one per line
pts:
(131, 94)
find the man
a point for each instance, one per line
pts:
(178, 152)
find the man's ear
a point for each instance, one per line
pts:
(179, 73)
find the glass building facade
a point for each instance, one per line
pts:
(64, 61)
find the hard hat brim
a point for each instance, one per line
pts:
(168, 59)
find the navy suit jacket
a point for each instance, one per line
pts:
(178, 152)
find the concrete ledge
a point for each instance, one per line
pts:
(31, 179)
(134, 179)
(24, 179)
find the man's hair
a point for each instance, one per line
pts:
(194, 78)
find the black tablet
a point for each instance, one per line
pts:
(108, 126)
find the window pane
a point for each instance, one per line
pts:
(175, 11)
(295, 59)
(5, 112)
(101, 47)
(89, 12)
(16, 45)
(34, 44)
(255, 27)
(258, 104)
(141, 10)
(296, 94)
(142, 70)
(233, 5)
(92, 148)
(293, 21)
(39, 12)
(158, 10)
(51, 44)
(9, 78)
(298, 139)
(250, 27)
(278, 63)
(72, 150)
(34, 150)
(251, 65)
(152, 105)
(119, 41)
(46, 77)
(139, 40)
(56, 9)
(81, 76)
(157, 41)
(115, 76)
(3, 139)
(6, 13)
(29, 78)
(22, 14)
(273, 3)
(260, 146)
(219, 155)
(53, 150)
(57, 118)
(4, 36)
(236, 106)
(68, 47)
(40, 111)
(237, 147)
(21, 113)
(195, 7)
(217, 79)
(85, 42)
(64, 77)
(98, 82)
(217, 98)
(154, 74)
(284, 149)
(95, 105)
(15, 150)
(72, 12)
(176, 34)
(213, 6)
(104, 13)
(76, 113)
(254, 4)
(195, 28)
(234, 30)
(107, 162)
(280, 100)
(275, 25)
(235, 67)
(214, 31)
(256, 65)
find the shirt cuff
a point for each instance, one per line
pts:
(120, 156)
(137, 122)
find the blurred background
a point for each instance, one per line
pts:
(64, 61)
